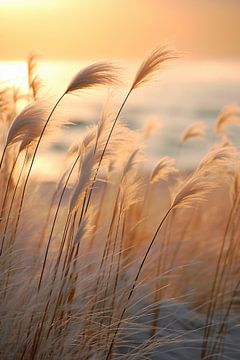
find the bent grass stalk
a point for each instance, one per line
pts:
(159, 286)
(39, 330)
(3, 155)
(105, 147)
(38, 335)
(7, 189)
(135, 283)
(222, 330)
(11, 204)
(225, 272)
(55, 219)
(33, 158)
(215, 287)
(6, 225)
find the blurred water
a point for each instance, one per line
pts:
(186, 92)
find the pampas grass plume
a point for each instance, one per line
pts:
(151, 126)
(230, 115)
(101, 73)
(151, 65)
(164, 167)
(194, 130)
(193, 191)
(27, 126)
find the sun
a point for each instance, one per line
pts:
(23, 2)
(14, 2)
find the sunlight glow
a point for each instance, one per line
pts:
(23, 2)
(14, 73)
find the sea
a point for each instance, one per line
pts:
(183, 92)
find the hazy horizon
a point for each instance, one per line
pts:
(185, 91)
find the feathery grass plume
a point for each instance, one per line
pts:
(31, 65)
(84, 179)
(219, 155)
(151, 126)
(151, 65)
(230, 115)
(36, 86)
(163, 169)
(194, 130)
(131, 189)
(87, 156)
(132, 160)
(193, 191)
(7, 106)
(100, 73)
(27, 126)
(119, 148)
(131, 183)
(17, 95)
(104, 125)
(34, 81)
(206, 176)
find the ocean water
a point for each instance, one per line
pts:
(185, 91)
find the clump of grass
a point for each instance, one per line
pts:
(89, 272)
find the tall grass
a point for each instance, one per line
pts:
(91, 264)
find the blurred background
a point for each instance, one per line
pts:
(69, 34)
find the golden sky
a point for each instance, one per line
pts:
(118, 28)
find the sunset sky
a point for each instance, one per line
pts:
(207, 29)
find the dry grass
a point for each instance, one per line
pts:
(88, 264)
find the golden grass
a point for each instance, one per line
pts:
(85, 261)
